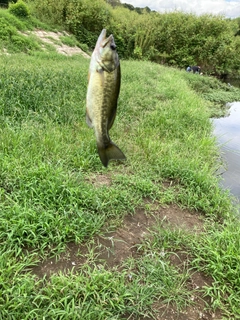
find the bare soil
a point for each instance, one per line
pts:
(53, 38)
(113, 248)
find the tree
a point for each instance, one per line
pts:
(129, 6)
(114, 3)
(237, 32)
(4, 3)
(86, 19)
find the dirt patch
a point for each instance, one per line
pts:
(113, 248)
(4, 52)
(197, 281)
(179, 218)
(53, 38)
(196, 312)
(99, 180)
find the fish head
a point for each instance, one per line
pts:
(106, 52)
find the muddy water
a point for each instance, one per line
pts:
(227, 131)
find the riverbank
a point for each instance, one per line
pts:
(151, 235)
(214, 91)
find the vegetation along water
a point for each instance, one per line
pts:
(153, 237)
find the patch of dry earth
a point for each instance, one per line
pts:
(115, 247)
(54, 37)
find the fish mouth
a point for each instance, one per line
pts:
(103, 41)
(108, 40)
(105, 52)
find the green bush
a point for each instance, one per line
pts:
(19, 9)
(6, 30)
(13, 21)
(21, 43)
(13, 41)
(84, 47)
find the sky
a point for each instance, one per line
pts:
(228, 8)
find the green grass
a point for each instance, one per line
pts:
(70, 41)
(12, 38)
(47, 158)
(214, 91)
(218, 255)
(22, 24)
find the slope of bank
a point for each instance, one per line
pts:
(152, 237)
(63, 215)
(30, 35)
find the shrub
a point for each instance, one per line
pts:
(6, 30)
(20, 43)
(84, 47)
(19, 9)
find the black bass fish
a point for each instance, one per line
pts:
(104, 80)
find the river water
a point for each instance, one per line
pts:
(227, 131)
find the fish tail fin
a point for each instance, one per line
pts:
(111, 152)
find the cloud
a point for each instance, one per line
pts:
(228, 8)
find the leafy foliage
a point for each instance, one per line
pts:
(50, 11)
(6, 30)
(11, 39)
(19, 9)
(85, 18)
(176, 38)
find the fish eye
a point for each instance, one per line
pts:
(113, 46)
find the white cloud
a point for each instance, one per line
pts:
(229, 8)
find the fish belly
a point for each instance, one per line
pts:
(102, 98)
(101, 104)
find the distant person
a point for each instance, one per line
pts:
(189, 69)
(196, 69)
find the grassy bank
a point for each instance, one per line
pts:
(55, 193)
